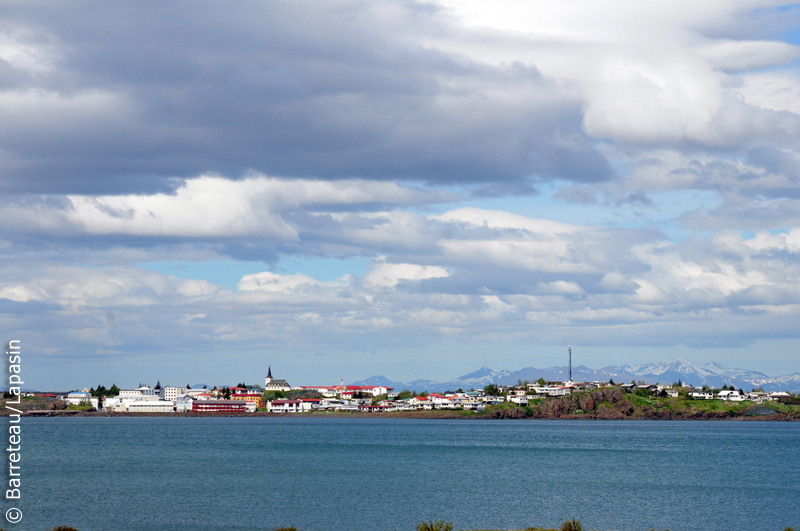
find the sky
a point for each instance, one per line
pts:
(192, 192)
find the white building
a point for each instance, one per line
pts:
(703, 395)
(733, 396)
(172, 393)
(141, 391)
(560, 390)
(148, 406)
(183, 403)
(474, 405)
(78, 397)
(288, 406)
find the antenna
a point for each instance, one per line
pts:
(569, 349)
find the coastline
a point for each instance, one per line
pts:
(600, 404)
(424, 415)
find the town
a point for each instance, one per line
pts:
(278, 396)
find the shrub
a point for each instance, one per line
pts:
(435, 525)
(571, 525)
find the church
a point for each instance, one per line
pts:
(274, 384)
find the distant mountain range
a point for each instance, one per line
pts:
(711, 374)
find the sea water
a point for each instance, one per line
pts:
(370, 474)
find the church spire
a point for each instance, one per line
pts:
(269, 372)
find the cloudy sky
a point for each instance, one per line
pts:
(192, 191)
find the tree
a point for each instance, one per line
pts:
(611, 381)
(490, 390)
(188, 386)
(459, 390)
(114, 391)
(541, 381)
(100, 403)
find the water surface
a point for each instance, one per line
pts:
(337, 474)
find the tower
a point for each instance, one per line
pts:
(569, 349)
(269, 376)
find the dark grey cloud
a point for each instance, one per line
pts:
(139, 93)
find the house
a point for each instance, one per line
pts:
(288, 406)
(474, 405)
(559, 390)
(779, 395)
(732, 396)
(329, 404)
(522, 400)
(275, 384)
(376, 390)
(702, 395)
(183, 403)
(492, 400)
(421, 402)
(78, 397)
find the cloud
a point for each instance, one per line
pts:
(209, 207)
(495, 97)
(389, 275)
(719, 290)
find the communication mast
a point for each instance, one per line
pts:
(569, 349)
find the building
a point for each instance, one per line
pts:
(78, 397)
(733, 396)
(285, 406)
(148, 406)
(219, 406)
(141, 391)
(242, 393)
(275, 384)
(171, 393)
(183, 403)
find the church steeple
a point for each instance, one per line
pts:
(269, 373)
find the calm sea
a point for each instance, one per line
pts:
(344, 474)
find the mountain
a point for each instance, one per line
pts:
(711, 374)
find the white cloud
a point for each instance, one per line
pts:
(272, 282)
(386, 275)
(644, 72)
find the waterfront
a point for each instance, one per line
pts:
(373, 474)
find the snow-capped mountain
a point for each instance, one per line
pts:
(670, 371)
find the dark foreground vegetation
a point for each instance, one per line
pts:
(441, 525)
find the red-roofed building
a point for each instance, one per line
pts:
(219, 406)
